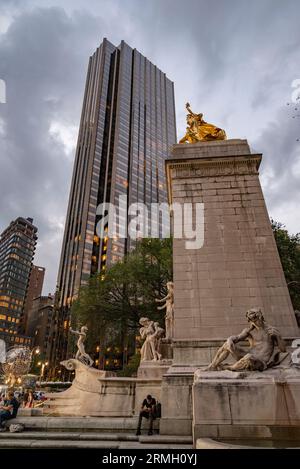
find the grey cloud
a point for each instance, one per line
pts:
(234, 60)
(280, 145)
(44, 69)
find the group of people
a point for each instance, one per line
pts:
(11, 401)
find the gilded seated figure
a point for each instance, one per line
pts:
(198, 130)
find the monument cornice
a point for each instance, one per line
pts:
(237, 165)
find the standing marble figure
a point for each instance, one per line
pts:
(169, 307)
(81, 354)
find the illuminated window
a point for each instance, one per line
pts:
(96, 240)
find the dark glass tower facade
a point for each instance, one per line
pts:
(17, 248)
(127, 128)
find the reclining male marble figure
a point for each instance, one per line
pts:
(265, 345)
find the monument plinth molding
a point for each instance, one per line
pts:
(237, 268)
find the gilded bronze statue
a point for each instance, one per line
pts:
(198, 130)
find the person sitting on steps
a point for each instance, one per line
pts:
(9, 410)
(147, 411)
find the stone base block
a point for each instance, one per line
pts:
(247, 405)
(145, 387)
(153, 370)
(177, 404)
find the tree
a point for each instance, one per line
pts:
(289, 252)
(112, 304)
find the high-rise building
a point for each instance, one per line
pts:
(34, 290)
(40, 325)
(17, 248)
(127, 128)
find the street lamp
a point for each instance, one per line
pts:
(43, 366)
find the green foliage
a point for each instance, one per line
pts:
(289, 252)
(112, 305)
(131, 368)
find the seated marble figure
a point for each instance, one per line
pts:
(264, 346)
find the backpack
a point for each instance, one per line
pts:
(157, 410)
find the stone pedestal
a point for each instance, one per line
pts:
(247, 405)
(97, 393)
(237, 268)
(153, 369)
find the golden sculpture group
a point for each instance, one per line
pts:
(198, 130)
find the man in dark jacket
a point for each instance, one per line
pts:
(147, 411)
(9, 410)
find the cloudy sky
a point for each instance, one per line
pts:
(234, 60)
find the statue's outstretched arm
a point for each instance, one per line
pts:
(188, 107)
(74, 332)
(160, 300)
(242, 336)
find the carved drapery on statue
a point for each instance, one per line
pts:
(198, 130)
(265, 345)
(152, 334)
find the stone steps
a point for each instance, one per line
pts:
(83, 424)
(91, 436)
(88, 432)
(31, 439)
(143, 439)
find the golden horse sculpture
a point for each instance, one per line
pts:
(198, 130)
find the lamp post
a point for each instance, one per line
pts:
(43, 366)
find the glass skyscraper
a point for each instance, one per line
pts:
(127, 128)
(17, 248)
